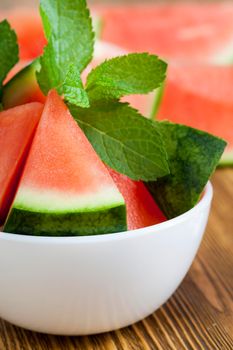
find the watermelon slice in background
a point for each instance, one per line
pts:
(201, 96)
(141, 208)
(192, 37)
(65, 189)
(17, 127)
(191, 31)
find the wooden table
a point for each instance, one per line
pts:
(198, 316)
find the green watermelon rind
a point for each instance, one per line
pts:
(224, 56)
(101, 221)
(192, 156)
(59, 213)
(57, 201)
(157, 99)
(98, 25)
(19, 83)
(226, 159)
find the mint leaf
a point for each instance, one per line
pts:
(9, 51)
(68, 28)
(49, 76)
(123, 139)
(192, 156)
(136, 73)
(73, 89)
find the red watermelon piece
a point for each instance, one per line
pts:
(17, 127)
(65, 189)
(141, 208)
(194, 32)
(201, 96)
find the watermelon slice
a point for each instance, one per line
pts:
(192, 157)
(201, 96)
(22, 88)
(65, 189)
(142, 210)
(193, 32)
(17, 126)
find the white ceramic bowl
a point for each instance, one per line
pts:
(84, 285)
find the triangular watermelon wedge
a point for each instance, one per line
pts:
(65, 189)
(17, 127)
(201, 96)
(142, 211)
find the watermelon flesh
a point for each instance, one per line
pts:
(178, 32)
(201, 96)
(17, 127)
(65, 189)
(142, 210)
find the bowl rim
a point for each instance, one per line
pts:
(158, 228)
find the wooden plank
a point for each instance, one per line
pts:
(198, 316)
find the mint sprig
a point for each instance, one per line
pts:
(9, 51)
(123, 139)
(136, 73)
(68, 29)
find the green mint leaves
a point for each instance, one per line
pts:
(68, 29)
(123, 139)
(137, 73)
(9, 51)
(192, 157)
